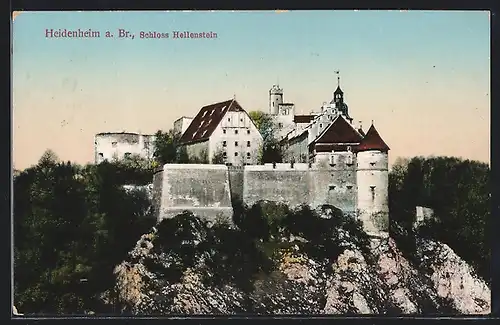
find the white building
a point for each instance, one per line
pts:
(120, 145)
(223, 128)
(181, 124)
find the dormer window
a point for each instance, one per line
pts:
(224, 144)
(114, 144)
(223, 131)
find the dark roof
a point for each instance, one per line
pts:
(338, 90)
(206, 121)
(340, 131)
(303, 118)
(372, 141)
(360, 130)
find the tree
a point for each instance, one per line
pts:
(258, 118)
(218, 157)
(458, 192)
(271, 150)
(73, 223)
(166, 147)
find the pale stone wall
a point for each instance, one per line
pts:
(373, 187)
(344, 181)
(181, 124)
(110, 146)
(199, 188)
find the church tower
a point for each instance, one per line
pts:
(275, 99)
(372, 178)
(338, 100)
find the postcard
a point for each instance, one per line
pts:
(251, 162)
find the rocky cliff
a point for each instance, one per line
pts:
(186, 266)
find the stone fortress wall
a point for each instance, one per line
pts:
(208, 190)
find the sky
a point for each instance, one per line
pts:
(422, 77)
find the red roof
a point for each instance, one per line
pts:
(340, 131)
(372, 141)
(205, 123)
(303, 118)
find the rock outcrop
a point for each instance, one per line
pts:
(184, 268)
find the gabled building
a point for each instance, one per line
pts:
(223, 130)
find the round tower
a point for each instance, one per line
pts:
(275, 99)
(372, 178)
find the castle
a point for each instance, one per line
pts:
(327, 161)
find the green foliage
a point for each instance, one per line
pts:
(271, 150)
(269, 222)
(72, 225)
(459, 193)
(167, 148)
(258, 118)
(218, 157)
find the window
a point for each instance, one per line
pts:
(236, 154)
(101, 155)
(235, 143)
(241, 120)
(224, 131)
(146, 145)
(127, 154)
(114, 144)
(280, 125)
(331, 187)
(224, 144)
(248, 143)
(372, 189)
(229, 119)
(248, 155)
(248, 132)
(349, 187)
(235, 131)
(320, 125)
(224, 154)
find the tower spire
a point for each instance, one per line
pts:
(337, 72)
